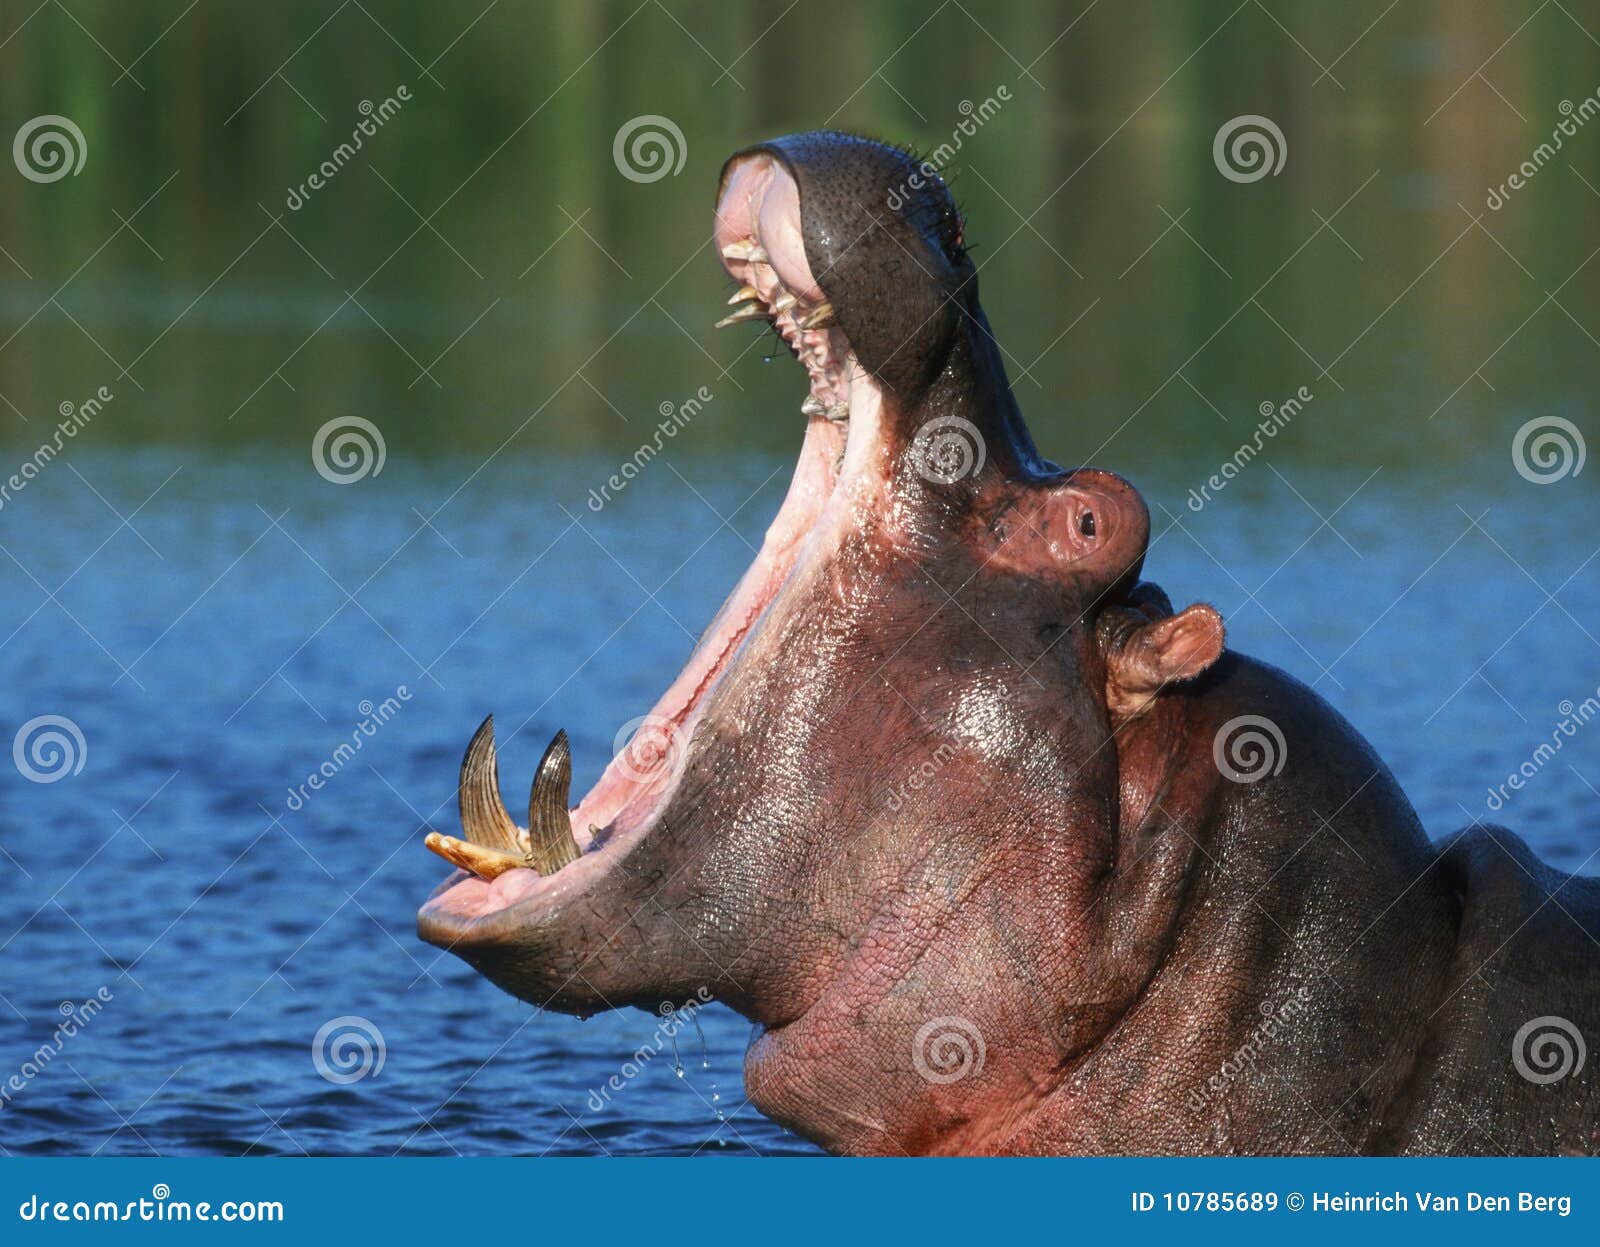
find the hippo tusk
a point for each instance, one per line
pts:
(750, 311)
(821, 317)
(784, 302)
(483, 814)
(550, 841)
(742, 294)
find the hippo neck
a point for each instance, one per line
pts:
(973, 386)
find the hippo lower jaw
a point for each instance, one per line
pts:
(843, 465)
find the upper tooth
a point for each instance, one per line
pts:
(745, 250)
(820, 318)
(812, 406)
(839, 411)
(743, 293)
(750, 311)
(784, 302)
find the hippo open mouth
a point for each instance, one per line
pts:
(505, 866)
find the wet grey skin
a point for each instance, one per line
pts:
(956, 811)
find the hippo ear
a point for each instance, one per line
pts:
(1144, 659)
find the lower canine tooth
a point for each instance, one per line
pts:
(550, 841)
(839, 412)
(812, 406)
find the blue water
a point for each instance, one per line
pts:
(213, 625)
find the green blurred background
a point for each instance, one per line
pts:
(485, 233)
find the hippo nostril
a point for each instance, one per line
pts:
(1086, 523)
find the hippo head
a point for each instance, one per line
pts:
(879, 810)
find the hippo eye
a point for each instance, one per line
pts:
(1086, 523)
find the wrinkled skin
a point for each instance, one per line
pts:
(948, 821)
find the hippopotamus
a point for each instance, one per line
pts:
(1001, 852)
